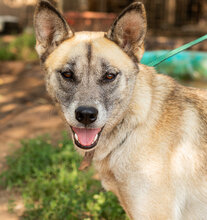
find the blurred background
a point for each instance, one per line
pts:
(170, 18)
(39, 178)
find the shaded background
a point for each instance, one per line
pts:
(25, 109)
(175, 19)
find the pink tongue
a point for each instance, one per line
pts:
(86, 136)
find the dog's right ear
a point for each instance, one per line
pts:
(50, 27)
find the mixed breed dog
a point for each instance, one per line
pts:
(146, 134)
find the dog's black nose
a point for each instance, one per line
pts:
(86, 115)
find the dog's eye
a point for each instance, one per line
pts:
(109, 76)
(68, 75)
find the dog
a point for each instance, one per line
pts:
(146, 133)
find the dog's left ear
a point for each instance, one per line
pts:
(129, 30)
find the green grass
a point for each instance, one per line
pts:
(20, 48)
(52, 187)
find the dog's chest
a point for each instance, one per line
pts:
(106, 175)
(116, 173)
(121, 166)
(124, 182)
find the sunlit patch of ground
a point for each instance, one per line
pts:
(25, 112)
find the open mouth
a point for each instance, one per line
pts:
(86, 138)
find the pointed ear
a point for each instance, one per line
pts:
(129, 30)
(50, 27)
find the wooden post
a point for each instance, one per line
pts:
(60, 5)
(103, 5)
(171, 10)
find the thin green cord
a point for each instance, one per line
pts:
(176, 51)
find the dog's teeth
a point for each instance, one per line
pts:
(95, 138)
(76, 137)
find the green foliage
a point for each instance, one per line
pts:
(20, 48)
(52, 186)
(5, 53)
(11, 205)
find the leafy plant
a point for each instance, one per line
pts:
(20, 48)
(5, 53)
(52, 186)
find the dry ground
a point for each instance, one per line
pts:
(25, 112)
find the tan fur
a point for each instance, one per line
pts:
(162, 167)
(152, 152)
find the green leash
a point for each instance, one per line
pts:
(176, 51)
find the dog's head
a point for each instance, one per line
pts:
(91, 75)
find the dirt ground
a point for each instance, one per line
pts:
(25, 112)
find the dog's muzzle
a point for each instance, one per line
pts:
(86, 138)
